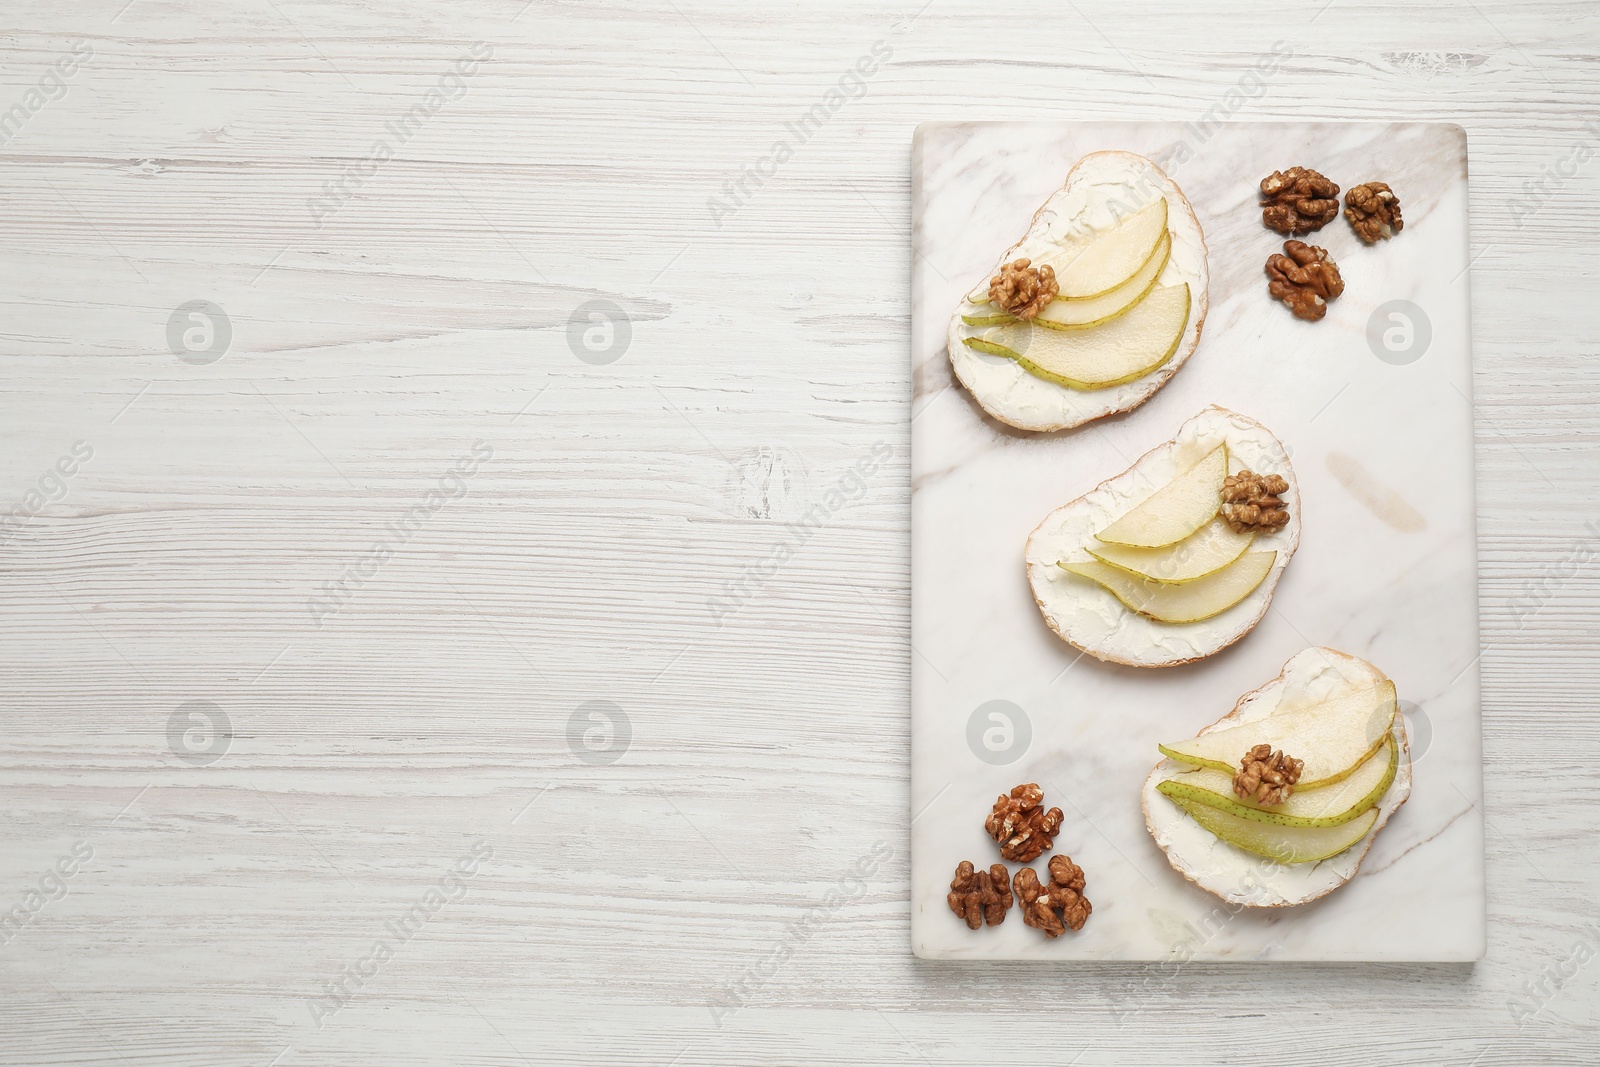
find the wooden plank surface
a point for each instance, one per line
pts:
(731, 887)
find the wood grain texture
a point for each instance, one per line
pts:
(619, 914)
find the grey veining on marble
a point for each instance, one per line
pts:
(1382, 448)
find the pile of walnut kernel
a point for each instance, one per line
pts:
(1300, 201)
(1024, 829)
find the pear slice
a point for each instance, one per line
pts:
(1286, 844)
(1177, 509)
(1093, 311)
(1330, 806)
(1189, 601)
(1206, 551)
(1083, 312)
(1334, 737)
(1110, 259)
(989, 317)
(1128, 347)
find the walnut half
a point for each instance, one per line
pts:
(1267, 777)
(1021, 825)
(1057, 907)
(1250, 501)
(980, 896)
(1304, 278)
(1298, 200)
(1023, 290)
(1373, 211)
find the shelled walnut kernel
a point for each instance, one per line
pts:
(1267, 777)
(1373, 211)
(1058, 906)
(1298, 200)
(1023, 290)
(980, 896)
(1304, 278)
(1021, 825)
(1250, 501)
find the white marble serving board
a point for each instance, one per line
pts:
(1383, 449)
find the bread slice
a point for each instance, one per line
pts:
(1241, 877)
(1088, 617)
(1101, 188)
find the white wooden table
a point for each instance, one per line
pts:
(409, 836)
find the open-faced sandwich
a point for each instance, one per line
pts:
(1277, 802)
(1095, 308)
(1177, 557)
